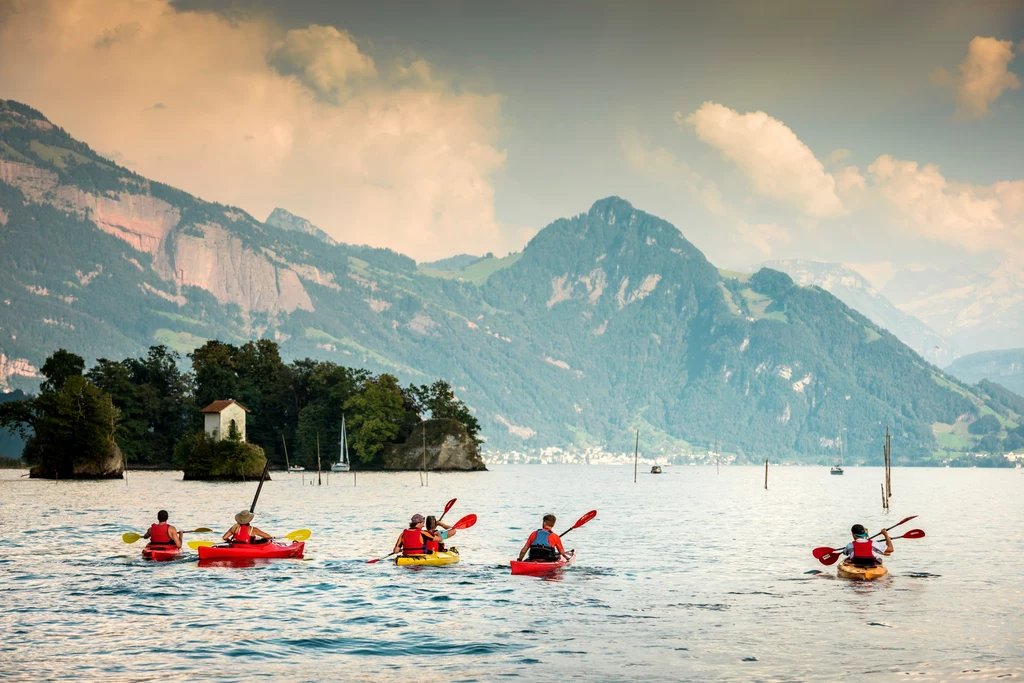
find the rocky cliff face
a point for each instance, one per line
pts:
(449, 448)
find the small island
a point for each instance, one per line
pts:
(236, 407)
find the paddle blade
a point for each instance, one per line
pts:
(374, 561)
(831, 558)
(584, 519)
(130, 537)
(465, 522)
(448, 506)
(196, 545)
(200, 530)
(913, 533)
(300, 535)
(821, 552)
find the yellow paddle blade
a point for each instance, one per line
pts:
(130, 537)
(300, 535)
(196, 545)
(200, 530)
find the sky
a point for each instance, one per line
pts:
(883, 135)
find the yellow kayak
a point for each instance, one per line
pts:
(850, 571)
(450, 556)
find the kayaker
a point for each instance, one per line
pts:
(544, 545)
(244, 532)
(441, 535)
(862, 551)
(163, 533)
(416, 540)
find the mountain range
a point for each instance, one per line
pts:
(606, 322)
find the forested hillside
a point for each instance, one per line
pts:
(606, 322)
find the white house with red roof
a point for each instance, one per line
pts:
(220, 416)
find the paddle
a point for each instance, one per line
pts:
(298, 535)
(266, 468)
(132, 537)
(829, 556)
(447, 508)
(464, 523)
(581, 521)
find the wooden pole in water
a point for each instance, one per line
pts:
(287, 464)
(318, 481)
(888, 466)
(636, 455)
(426, 472)
(766, 474)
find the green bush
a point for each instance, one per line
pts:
(986, 424)
(201, 457)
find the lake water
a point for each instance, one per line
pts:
(690, 575)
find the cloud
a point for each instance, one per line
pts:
(778, 164)
(973, 217)
(762, 236)
(260, 117)
(662, 165)
(982, 77)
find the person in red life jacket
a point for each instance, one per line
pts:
(244, 532)
(544, 545)
(416, 540)
(442, 534)
(163, 533)
(862, 551)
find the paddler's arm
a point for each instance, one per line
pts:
(175, 536)
(146, 535)
(398, 545)
(230, 532)
(444, 526)
(888, 543)
(526, 546)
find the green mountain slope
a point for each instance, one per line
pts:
(605, 322)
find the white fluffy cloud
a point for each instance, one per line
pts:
(778, 164)
(662, 165)
(242, 112)
(982, 77)
(973, 217)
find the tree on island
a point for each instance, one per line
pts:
(70, 427)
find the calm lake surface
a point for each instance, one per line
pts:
(684, 576)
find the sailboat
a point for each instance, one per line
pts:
(343, 464)
(838, 468)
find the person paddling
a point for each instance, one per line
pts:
(244, 532)
(163, 533)
(441, 535)
(544, 545)
(416, 540)
(862, 551)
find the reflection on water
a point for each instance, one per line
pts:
(684, 576)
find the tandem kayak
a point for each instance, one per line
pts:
(160, 553)
(450, 556)
(251, 551)
(851, 571)
(537, 568)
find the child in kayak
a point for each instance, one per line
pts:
(163, 533)
(442, 535)
(416, 540)
(862, 551)
(544, 545)
(244, 532)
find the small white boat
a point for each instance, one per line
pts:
(343, 464)
(296, 468)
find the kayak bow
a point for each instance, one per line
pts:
(160, 552)
(537, 568)
(439, 559)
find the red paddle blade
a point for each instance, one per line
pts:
(821, 552)
(584, 519)
(448, 506)
(465, 522)
(830, 558)
(914, 533)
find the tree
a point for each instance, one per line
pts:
(377, 412)
(986, 424)
(439, 398)
(60, 366)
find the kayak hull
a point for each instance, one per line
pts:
(850, 571)
(252, 551)
(538, 568)
(160, 553)
(450, 556)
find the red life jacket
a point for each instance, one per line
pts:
(412, 542)
(158, 534)
(863, 548)
(432, 545)
(242, 535)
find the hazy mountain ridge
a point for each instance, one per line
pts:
(854, 290)
(1004, 367)
(605, 321)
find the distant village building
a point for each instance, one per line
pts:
(221, 416)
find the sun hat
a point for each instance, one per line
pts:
(416, 519)
(244, 517)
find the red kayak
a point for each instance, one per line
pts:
(160, 553)
(537, 568)
(251, 551)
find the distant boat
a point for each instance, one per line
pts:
(836, 470)
(296, 468)
(343, 464)
(656, 469)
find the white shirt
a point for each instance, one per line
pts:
(877, 546)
